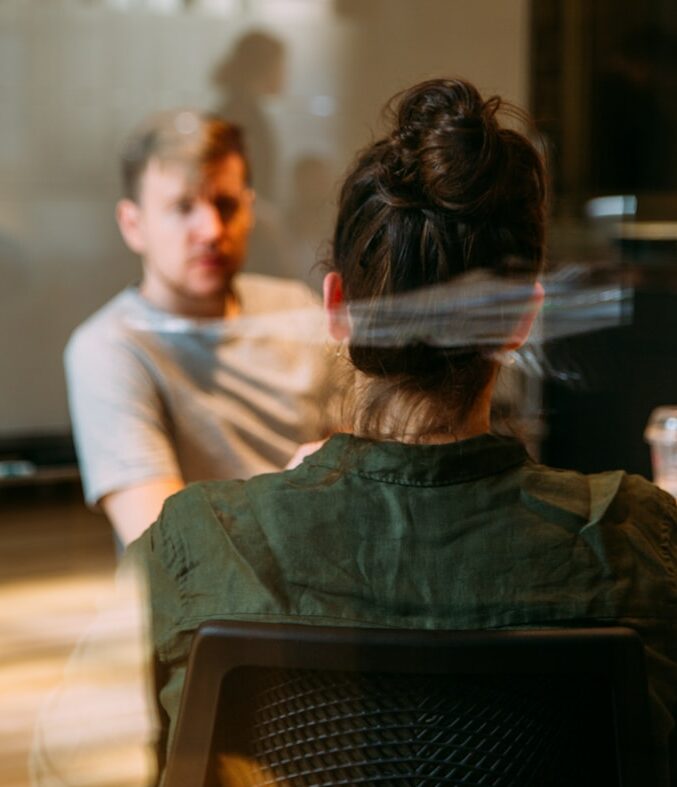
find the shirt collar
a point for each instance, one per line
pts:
(420, 465)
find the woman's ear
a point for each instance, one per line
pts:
(335, 307)
(523, 328)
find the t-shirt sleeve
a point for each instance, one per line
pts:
(119, 420)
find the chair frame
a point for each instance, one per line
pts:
(220, 646)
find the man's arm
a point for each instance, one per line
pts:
(304, 450)
(134, 509)
(125, 450)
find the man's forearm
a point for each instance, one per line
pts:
(133, 510)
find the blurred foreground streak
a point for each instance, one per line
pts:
(97, 727)
(57, 560)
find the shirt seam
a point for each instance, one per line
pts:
(665, 554)
(459, 478)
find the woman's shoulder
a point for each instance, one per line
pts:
(611, 498)
(199, 517)
(647, 501)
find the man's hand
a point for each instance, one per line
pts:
(133, 510)
(302, 452)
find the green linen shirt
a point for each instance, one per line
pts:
(467, 535)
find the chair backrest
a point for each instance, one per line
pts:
(305, 705)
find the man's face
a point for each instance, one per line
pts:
(191, 231)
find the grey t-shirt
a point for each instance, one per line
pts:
(154, 395)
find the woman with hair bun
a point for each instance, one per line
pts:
(420, 517)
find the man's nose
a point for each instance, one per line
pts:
(209, 222)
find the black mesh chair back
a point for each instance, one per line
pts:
(300, 705)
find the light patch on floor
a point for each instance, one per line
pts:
(56, 573)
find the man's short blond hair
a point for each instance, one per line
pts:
(188, 137)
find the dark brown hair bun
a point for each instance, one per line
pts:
(449, 150)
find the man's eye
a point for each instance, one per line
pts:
(226, 206)
(185, 206)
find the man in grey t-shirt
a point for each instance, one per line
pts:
(184, 377)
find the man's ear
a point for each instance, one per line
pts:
(250, 196)
(335, 307)
(128, 215)
(523, 328)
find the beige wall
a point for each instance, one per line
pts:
(76, 75)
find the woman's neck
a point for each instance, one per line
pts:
(477, 424)
(400, 419)
(473, 425)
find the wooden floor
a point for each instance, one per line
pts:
(56, 564)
